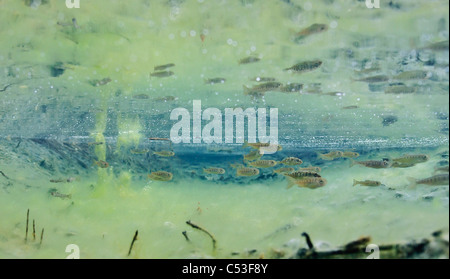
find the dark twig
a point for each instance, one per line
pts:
(34, 231)
(185, 235)
(308, 241)
(4, 88)
(132, 242)
(203, 230)
(2, 173)
(42, 236)
(26, 229)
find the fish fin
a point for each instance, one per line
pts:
(352, 162)
(413, 182)
(69, 196)
(355, 182)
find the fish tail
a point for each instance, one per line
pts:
(352, 162)
(291, 182)
(412, 182)
(321, 156)
(246, 89)
(69, 196)
(355, 182)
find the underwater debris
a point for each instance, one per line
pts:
(54, 192)
(3, 174)
(162, 74)
(26, 228)
(372, 183)
(42, 237)
(305, 66)
(163, 67)
(97, 82)
(215, 80)
(95, 143)
(34, 231)
(308, 241)
(102, 164)
(185, 236)
(141, 97)
(214, 241)
(5, 87)
(132, 242)
(248, 60)
(388, 120)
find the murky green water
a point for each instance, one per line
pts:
(66, 84)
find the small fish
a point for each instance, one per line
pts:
(160, 176)
(163, 139)
(331, 155)
(245, 171)
(102, 164)
(236, 166)
(140, 96)
(63, 180)
(350, 107)
(263, 87)
(372, 164)
(368, 70)
(311, 168)
(263, 79)
(292, 87)
(215, 80)
(308, 182)
(291, 161)
(435, 180)
(220, 149)
(412, 159)
(284, 170)
(139, 151)
(400, 89)
(253, 155)
(263, 163)
(161, 74)
(402, 165)
(438, 46)
(417, 74)
(350, 154)
(95, 143)
(100, 82)
(313, 29)
(372, 183)
(302, 174)
(250, 59)
(373, 79)
(305, 66)
(389, 119)
(258, 145)
(59, 195)
(165, 99)
(164, 153)
(163, 67)
(213, 170)
(444, 169)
